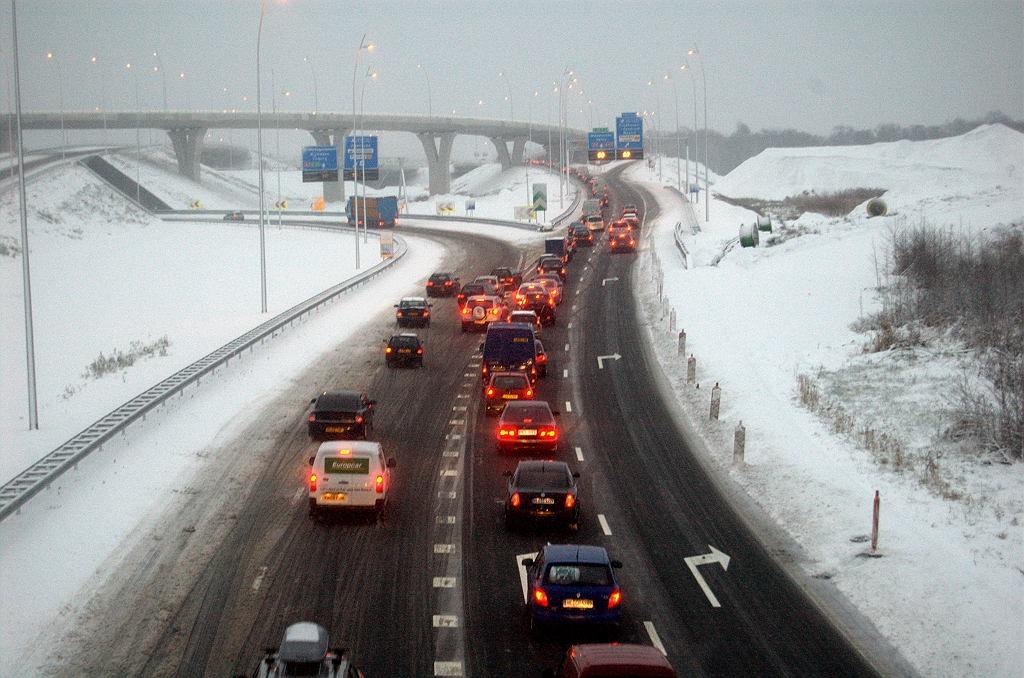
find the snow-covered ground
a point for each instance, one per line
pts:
(948, 589)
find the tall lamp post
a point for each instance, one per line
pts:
(430, 106)
(316, 95)
(30, 350)
(259, 147)
(163, 75)
(138, 136)
(369, 48)
(362, 158)
(103, 101)
(675, 95)
(693, 86)
(707, 189)
(511, 115)
(60, 89)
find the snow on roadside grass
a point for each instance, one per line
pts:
(947, 591)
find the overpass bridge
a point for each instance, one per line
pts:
(187, 129)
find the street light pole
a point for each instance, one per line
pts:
(163, 75)
(430, 106)
(693, 86)
(138, 137)
(60, 89)
(316, 95)
(259, 147)
(707, 189)
(511, 115)
(30, 343)
(362, 158)
(355, 203)
(675, 95)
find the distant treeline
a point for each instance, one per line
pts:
(726, 152)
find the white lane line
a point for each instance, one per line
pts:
(448, 669)
(258, 581)
(450, 453)
(449, 473)
(569, 326)
(565, 374)
(604, 525)
(462, 395)
(298, 495)
(567, 348)
(444, 582)
(574, 307)
(446, 495)
(448, 621)
(468, 374)
(568, 406)
(456, 422)
(459, 408)
(445, 520)
(522, 571)
(655, 639)
(579, 454)
(444, 548)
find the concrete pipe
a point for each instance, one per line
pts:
(877, 208)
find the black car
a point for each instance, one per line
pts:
(234, 216)
(584, 237)
(472, 289)
(551, 264)
(413, 312)
(542, 491)
(510, 280)
(341, 415)
(442, 285)
(405, 350)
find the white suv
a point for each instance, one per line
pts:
(349, 474)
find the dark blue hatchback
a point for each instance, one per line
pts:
(570, 585)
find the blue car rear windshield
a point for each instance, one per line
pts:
(578, 574)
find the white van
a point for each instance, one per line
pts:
(349, 474)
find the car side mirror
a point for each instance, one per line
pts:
(313, 401)
(507, 474)
(616, 564)
(481, 346)
(396, 305)
(527, 562)
(311, 460)
(575, 474)
(392, 463)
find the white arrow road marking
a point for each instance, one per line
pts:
(522, 571)
(653, 633)
(604, 525)
(608, 280)
(602, 358)
(715, 556)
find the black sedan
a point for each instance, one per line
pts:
(543, 492)
(442, 285)
(343, 415)
(404, 350)
(413, 312)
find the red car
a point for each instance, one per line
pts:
(528, 425)
(506, 387)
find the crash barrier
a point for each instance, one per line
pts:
(40, 475)
(877, 208)
(680, 245)
(749, 235)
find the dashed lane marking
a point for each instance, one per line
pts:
(445, 520)
(444, 548)
(565, 374)
(604, 525)
(448, 668)
(569, 326)
(449, 473)
(567, 348)
(298, 495)
(568, 406)
(446, 495)
(579, 454)
(258, 581)
(450, 453)
(655, 639)
(444, 582)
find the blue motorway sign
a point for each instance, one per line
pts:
(629, 132)
(601, 141)
(361, 156)
(319, 163)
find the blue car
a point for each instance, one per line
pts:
(573, 586)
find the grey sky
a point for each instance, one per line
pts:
(806, 65)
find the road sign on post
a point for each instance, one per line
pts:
(540, 197)
(319, 163)
(361, 158)
(629, 137)
(600, 145)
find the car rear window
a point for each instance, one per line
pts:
(578, 574)
(356, 465)
(473, 288)
(510, 383)
(339, 402)
(405, 342)
(543, 479)
(539, 413)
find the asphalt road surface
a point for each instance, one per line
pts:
(434, 588)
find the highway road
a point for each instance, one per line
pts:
(236, 558)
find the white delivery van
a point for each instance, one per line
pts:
(349, 474)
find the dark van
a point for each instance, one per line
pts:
(509, 347)
(559, 247)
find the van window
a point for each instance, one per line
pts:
(509, 382)
(359, 465)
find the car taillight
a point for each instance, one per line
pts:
(359, 419)
(419, 350)
(614, 599)
(399, 314)
(387, 350)
(448, 283)
(515, 499)
(312, 417)
(380, 484)
(430, 284)
(540, 597)
(312, 483)
(542, 358)
(465, 310)
(529, 393)
(380, 223)
(490, 392)
(570, 501)
(507, 433)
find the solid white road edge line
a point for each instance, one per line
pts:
(604, 525)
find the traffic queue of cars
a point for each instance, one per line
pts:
(567, 585)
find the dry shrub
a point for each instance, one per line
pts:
(119, 360)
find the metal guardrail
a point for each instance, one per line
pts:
(41, 474)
